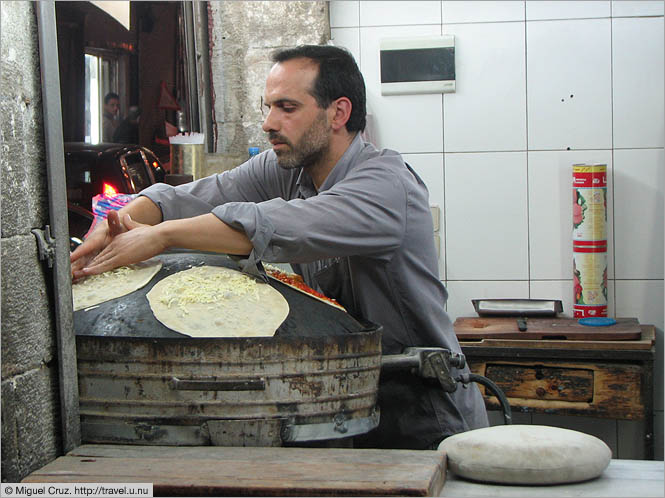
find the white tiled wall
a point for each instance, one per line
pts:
(540, 86)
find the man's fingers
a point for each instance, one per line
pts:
(103, 262)
(115, 226)
(80, 251)
(129, 222)
(102, 257)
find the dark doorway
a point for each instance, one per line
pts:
(144, 65)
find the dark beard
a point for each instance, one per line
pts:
(311, 148)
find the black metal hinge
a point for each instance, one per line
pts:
(45, 244)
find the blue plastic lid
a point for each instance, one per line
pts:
(253, 151)
(598, 321)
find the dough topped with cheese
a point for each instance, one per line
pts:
(214, 301)
(97, 289)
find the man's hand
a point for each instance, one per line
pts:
(96, 242)
(130, 242)
(141, 208)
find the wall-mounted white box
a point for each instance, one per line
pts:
(423, 64)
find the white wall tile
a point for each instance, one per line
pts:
(540, 10)
(637, 8)
(489, 11)
(638, 68)
(430, 169)
(644, 300)
(638, 213)
(551, 211)
(399, 13)
(460, 294)
(486, 216)
(348, 38)
(407, 123)
(344, 13)
(569, 84)
(487, 112)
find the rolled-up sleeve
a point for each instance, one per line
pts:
(254, 181)
(364, 214)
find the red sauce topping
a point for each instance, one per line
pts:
(296, 281)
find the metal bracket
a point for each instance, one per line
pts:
(438, 365)
(45, 244)
(429, 363)
(340, 426)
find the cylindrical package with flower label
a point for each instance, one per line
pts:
(590, 240)
(590, 284)
(589, 204)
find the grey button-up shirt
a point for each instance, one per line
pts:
(366, 239)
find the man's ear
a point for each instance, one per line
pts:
(341, 112)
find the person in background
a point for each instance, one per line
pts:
(354, 221)
(110, 116)
(127, 131)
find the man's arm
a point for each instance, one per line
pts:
(143, 241)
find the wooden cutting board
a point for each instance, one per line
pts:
(544, 329)
(227, 471)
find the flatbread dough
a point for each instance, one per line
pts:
(112, 284)
(213, 301)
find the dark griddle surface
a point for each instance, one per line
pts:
(131, 316)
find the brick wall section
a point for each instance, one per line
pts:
(30, 410)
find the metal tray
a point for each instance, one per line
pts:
(517, 307)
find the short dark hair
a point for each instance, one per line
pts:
(110, 96)
(338, 76)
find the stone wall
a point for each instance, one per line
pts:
(30, 409)
(243, 34)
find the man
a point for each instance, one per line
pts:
(109, 119)
(127, 131)
(354, 221)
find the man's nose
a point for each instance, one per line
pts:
(269, 122)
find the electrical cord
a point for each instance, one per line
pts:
(466, 378)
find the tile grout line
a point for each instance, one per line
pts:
(443, 214)
(614, 266)
(526, 130)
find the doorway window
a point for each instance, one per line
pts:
(101, 77)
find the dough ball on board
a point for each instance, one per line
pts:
(526, 454)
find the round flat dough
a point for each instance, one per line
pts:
(112, 284)
(213, 301)
(526, 454)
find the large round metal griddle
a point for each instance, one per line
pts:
(131, 316)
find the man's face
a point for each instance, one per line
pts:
(112, 107)
(297, 127)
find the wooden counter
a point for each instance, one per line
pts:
(241, 471)
(218, 471)
(594, 378)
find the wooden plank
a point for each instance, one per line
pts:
(540, 382)
(225, 471)
(544, 329)
(617, 389)
(645, 342)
